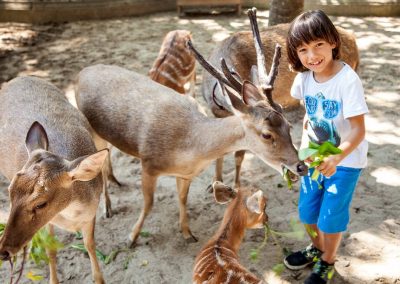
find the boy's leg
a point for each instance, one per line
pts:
(309, 205)
(333, 219)
(316, 236)
(331, 245)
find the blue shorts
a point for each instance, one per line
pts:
(328, 207)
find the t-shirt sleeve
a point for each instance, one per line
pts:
(353, 98)
(297, 87)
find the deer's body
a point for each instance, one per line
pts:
(240, 54)
(218, 261)
(175, 65)
(168, 132)
(44, 164)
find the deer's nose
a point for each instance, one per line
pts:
(4, 255)
(302, 169)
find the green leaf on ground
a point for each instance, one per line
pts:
(278, 268)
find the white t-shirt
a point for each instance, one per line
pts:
(328, 105)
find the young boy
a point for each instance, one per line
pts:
(333, 97)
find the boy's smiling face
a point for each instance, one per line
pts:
(316, 56)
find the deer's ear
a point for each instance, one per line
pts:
(250, 93)
(223, 193)
(36, 138)
(254, 201)
(88, 167)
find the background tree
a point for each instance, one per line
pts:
(284, 11)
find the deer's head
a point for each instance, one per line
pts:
(43, 188)
(267, 129)
(248, 204)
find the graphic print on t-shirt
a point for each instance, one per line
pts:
(321, 113)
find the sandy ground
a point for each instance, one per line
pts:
(370, 251)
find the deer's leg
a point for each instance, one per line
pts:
(52, 254)
(107, 200)
(148, 188)
(183, 189)
(219, 163)
(88, 240)
(106, 172)
(111, 176)
(239, 156)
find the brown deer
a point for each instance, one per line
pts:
(218, 260)
(47, 153)
(174, 68)
(172, 137)
(175, 65)
(240, 53)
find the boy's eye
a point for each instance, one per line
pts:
(301, 50)
(320, 44)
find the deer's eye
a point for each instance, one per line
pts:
(267, 136)
(41, 205)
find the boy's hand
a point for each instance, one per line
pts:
(328, 165)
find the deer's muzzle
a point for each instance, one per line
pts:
(5, 255)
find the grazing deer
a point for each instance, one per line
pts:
(47, 153)
(240, 53)
(218, 260)
(172, 137)
(175, 65)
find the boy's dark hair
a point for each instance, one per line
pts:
(308, 27)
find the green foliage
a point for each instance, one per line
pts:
(296, 232)
(106, 259)
(317, 153)
(144, 234)
(286, 177)
(254, 252)
(34, 277)
(100, 256)
(311, 231)
(127, 260)
(278, 268)
(78, 235)
(41, 241)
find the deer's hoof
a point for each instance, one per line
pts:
(190, 238)
(131, 243)
(108, 213)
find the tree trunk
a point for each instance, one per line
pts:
(284, 11)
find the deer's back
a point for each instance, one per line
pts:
(239, 52)
(25, 100)
(134, 113)
(219, 264)
(175, 64)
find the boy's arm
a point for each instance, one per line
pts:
(357, 134)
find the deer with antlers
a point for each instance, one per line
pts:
(172, 137)
(240, 54)
(175, 64)
(218, 260)
(47, 152)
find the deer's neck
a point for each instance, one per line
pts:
(218, 136)
(231, 232)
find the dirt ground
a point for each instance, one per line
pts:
(370, 251)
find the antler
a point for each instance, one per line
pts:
(266, 81)
(228, 74)
(211, 69)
